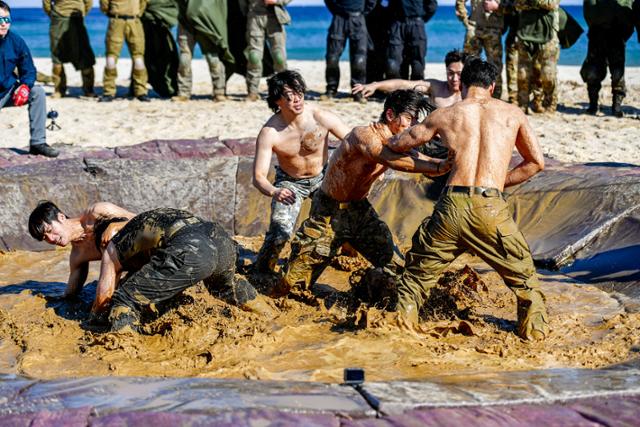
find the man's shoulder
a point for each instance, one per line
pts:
(15, 39)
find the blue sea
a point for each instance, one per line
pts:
(306, 36)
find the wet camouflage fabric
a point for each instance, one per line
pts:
(606, 48)
(119, 31)
(284, 217)
(538, 63)
(259, 28)
(166, 251)
(511, 67)
(329, 226)
(481, 224)
(489, 40)
(186, 43)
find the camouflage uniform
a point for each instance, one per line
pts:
(70, 42)
(329, 226)
(511, 21)
(477, 220)
(284, 217)
(166, 251)
(538, 52)
(186, 43)
(124, 24)
(484, 31)
(266, 21)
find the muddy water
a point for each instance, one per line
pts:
(202, 337)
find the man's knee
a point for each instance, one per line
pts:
(138, 63)
(111, 62)
(37, 94)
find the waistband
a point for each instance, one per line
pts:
(473, 191)
(327, 200)
(125, 17)
(180, 224)
(280, 171)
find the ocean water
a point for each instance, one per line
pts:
(306, 36)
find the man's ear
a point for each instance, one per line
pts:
(492, 88)
(61, 217)
(389, 115)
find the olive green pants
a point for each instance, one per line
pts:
(260, 27)
(481, 224)
(131, 31)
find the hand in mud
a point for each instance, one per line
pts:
(284, 195)
(97, 319)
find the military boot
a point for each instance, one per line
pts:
(532, 320)
(88, 80)
(593, 101)
(616, 106)
(59, 81)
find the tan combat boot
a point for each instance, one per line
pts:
(59, 81)
(88, 80)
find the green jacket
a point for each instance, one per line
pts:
(67, 7)
(538, 20)
(209, 18)
(479, 18)
(610, 14)
(257, 7)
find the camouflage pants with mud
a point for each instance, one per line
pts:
(538, 62)
(260, 27)
(511, 67)
(187, 43)
(489, 40)
(329, 226)
(284, 218)
(202, 252)
(606, 48)
(481, 224)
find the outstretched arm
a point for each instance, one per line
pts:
(415, 135)
(391, 85)
(331, 122)
(533, 160)
(110, 270)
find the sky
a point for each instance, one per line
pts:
(38, 3)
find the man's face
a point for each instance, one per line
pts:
(291, 101)
(401, 122)
(453, 76)
(55, 233)
(5, 22)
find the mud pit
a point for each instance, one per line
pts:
(203, 337)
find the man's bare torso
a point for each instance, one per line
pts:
(482, 134)
(440, 94)
(351, 173)
(301, 149)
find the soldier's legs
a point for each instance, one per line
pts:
(616, 56)
(88, 81)
(395, 50)
(512, 70)
(417, 48)
(336, 40)
(255, 49)
(358, 39)
(594, 67)
(57, 29)
(135, 43)
(114, 41)
(548, 62)
(277, 38)
(492, 44)
(59, 80)
(472, 45)
(186, 44)
(212, 53)
(525, 71)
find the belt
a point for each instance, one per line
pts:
(122, 16)
(328, 200)
(180, 224)
(471, 191)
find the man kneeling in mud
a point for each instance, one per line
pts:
(340, 211)
(164, 251)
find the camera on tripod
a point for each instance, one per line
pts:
(53, 115)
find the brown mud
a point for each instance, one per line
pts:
(472, 332)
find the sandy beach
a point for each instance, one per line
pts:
(568, 135)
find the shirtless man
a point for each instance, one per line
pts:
(471, 213)
(441, 94)
(298, 136)
(340, 211)
(48, 223)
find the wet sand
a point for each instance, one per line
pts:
(204, 337)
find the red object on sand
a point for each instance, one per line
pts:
(21, 95)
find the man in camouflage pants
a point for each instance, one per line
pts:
(340, 212)
(124, 25)
(538, 49)
(70, 43)
(265, 18)
(484, 31)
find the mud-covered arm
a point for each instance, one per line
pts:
(110, 269)
(533, 160)
(412, 161)
(414, 136)
(78, 271)
(332, 123)
(108, 210)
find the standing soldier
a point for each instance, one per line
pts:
(511, 65)
(70, 43)
(610, 26)
(407, 38)
(484, 31)
(124, 24)
(538, 48)
(348, 22)
(265, 18)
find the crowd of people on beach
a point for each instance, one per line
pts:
(165, 251)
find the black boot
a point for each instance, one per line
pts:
(616, 105)
(593, 102)
(43, 150)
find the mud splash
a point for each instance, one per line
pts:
(44, 337)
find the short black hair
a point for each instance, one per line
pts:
(406, 101)
(454, 55)
(477, 72)
(5, 7)
(276, 83)
(46, 211)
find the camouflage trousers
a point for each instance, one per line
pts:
(490, 40)
(606, 48)
(260, 27)
(284, 218)
(482, 224)
(119, 31)
(186, 43)
(329, 226)
(538, 63)
(202, 252)
(512, 68)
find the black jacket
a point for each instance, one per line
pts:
(413, 8)
(346, 7)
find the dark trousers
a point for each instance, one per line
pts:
(354, 28)
(606, 48)
(407, 40)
